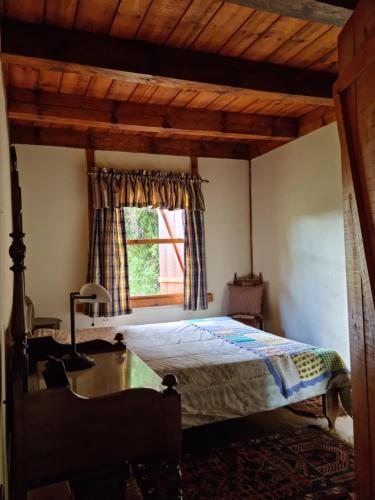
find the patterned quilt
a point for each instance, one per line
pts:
(292, 364)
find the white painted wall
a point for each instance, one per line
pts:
(55, 222)
(299, 240)
(6, 280)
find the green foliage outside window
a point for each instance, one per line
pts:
(143, 260)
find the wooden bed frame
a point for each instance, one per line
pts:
(135, 425)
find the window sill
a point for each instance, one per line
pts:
(154, 301)
(161, 300)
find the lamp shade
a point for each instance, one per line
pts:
(101, 294)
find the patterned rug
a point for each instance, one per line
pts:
(313, 408)
(306, 463)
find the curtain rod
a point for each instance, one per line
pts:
(202, 180)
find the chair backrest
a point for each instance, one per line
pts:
(247, 280)
(246, 295)
(30, 314)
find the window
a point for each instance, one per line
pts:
(155, 240)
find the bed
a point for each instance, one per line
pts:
(226, 369)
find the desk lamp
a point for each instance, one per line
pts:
(93, 294)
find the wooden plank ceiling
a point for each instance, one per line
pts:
(199, 77)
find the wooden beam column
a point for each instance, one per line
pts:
(90, 166)
(251, 219)
(355, 102)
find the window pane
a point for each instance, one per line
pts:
(144, 269)
(171, 259)
(141, 223)
(170, 224)
(147, 223)
(155, 269)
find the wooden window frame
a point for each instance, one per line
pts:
(161, 300)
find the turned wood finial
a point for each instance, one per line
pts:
(120, 339)
(170, 381)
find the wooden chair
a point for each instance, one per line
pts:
(245, 314)
(34, 323)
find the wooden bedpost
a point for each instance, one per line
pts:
(17, 252)
(162, 479)
(173, 416)
(18, 369)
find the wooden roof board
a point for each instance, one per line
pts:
(205, 25)
(223, 25)
(191, 24)
(61, 12)
(161, 18)
(128, 18)
(95, 16)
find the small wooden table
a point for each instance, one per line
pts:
(97, 423)
(114, 371)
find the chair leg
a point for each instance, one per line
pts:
(331, 407)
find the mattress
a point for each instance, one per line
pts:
(226, 369)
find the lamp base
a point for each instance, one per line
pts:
(77, 361)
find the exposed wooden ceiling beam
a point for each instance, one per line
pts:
(316, 119)
(61, 109)
(346, 4)
(115, 141)
(56, 49)
(332, 12)
(259, 148)
(307, 123)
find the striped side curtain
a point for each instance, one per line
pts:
(195, 278)
(108, 262)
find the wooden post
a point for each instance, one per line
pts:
(355, 104)
(251, 220)
(90, 160)
(194, 165)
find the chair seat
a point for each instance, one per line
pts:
(246, 316)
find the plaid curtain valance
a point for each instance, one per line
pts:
(141, 188)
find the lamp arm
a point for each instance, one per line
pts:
(73, 297)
